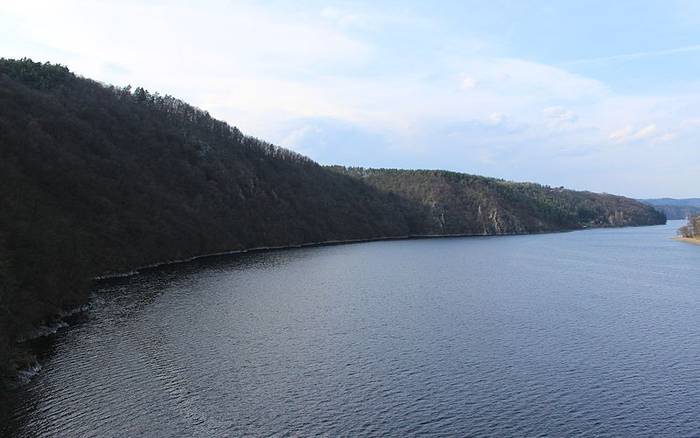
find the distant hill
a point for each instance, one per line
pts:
(97, 178)
(675, 209)
(688, 202)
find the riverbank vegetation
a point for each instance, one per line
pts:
(96, 178)
(691, 230)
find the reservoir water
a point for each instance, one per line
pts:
(588, 333)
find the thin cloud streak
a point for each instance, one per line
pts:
(632, 56)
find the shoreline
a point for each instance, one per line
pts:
(257, 249)
(691, 240)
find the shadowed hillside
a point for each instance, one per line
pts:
(97, 179)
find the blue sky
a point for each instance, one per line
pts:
(602, 96)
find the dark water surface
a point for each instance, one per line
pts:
(590, 333)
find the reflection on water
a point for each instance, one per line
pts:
(587, 333)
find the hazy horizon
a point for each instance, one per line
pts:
(587, 95)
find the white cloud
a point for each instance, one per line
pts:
(636, 55)
(468, 83)
(184, 41)
(559, 114)
(630, 133)
(645, 132)
(497, 118)
(620, 135)
(666, 138)
(296, 137)
(526, 79)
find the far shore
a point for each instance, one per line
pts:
(692, 240)
(137, 270)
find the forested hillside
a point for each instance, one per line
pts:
(97, 179)
(457, 203)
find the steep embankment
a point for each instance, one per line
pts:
(95, 178)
